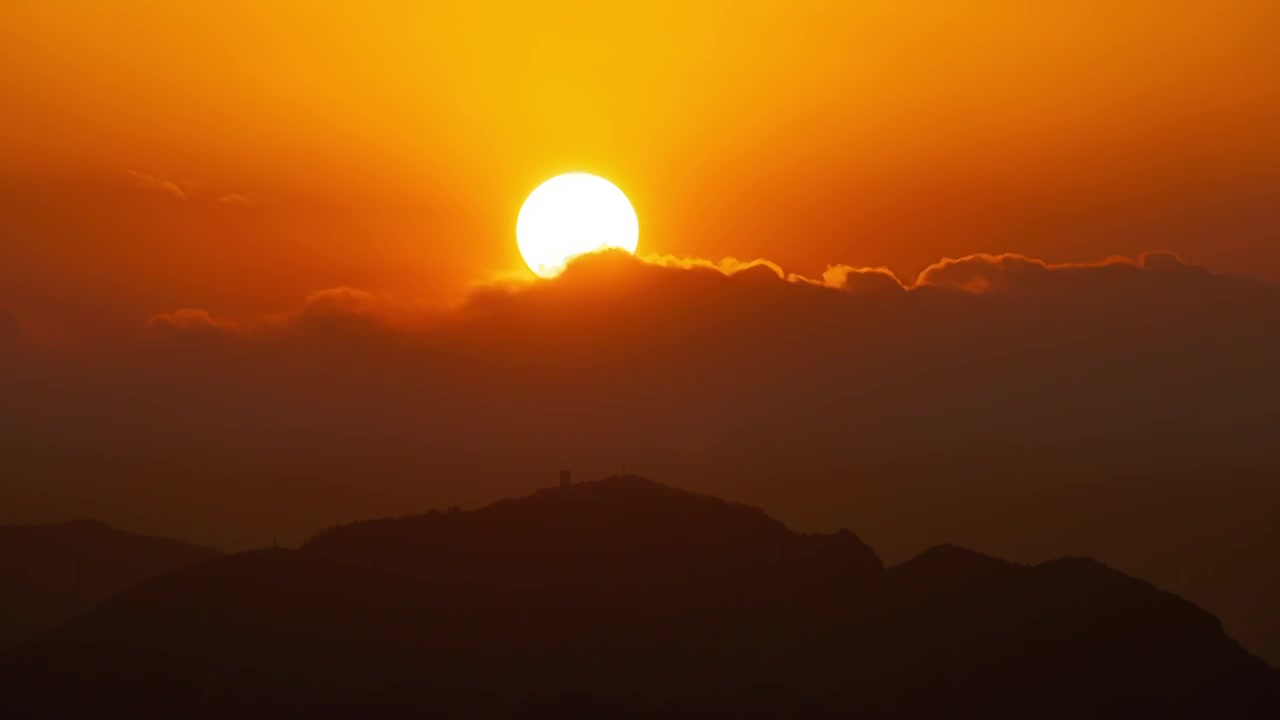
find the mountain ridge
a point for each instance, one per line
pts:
(771, 624)
(53, 572)
(617, 530)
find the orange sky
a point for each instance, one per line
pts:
(239, 155)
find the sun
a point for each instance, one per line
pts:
(573, 214)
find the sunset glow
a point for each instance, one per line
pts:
(335, 380)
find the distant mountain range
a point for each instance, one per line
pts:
(626, 598)
(49, 573)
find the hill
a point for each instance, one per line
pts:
(622, 530)
(49, 573)
(712, 610)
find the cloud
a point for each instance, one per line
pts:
(844, 277)
(344, 311)
(155, 184)
(860, 281)
(340, 313)
(192, 329)
(617, 280)
(697, 284)
(1165, 261)
(1013, 273)
(187, 190)
(1021, 406)
(343, 301)
(977, 274)
(726, 266)
(189, 320)
(235, 200)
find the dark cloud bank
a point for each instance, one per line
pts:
(1127, 410)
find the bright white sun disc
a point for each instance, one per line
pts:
(570, 215)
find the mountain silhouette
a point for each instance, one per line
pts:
(626, 598)
(50, 572)
(622, 530)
